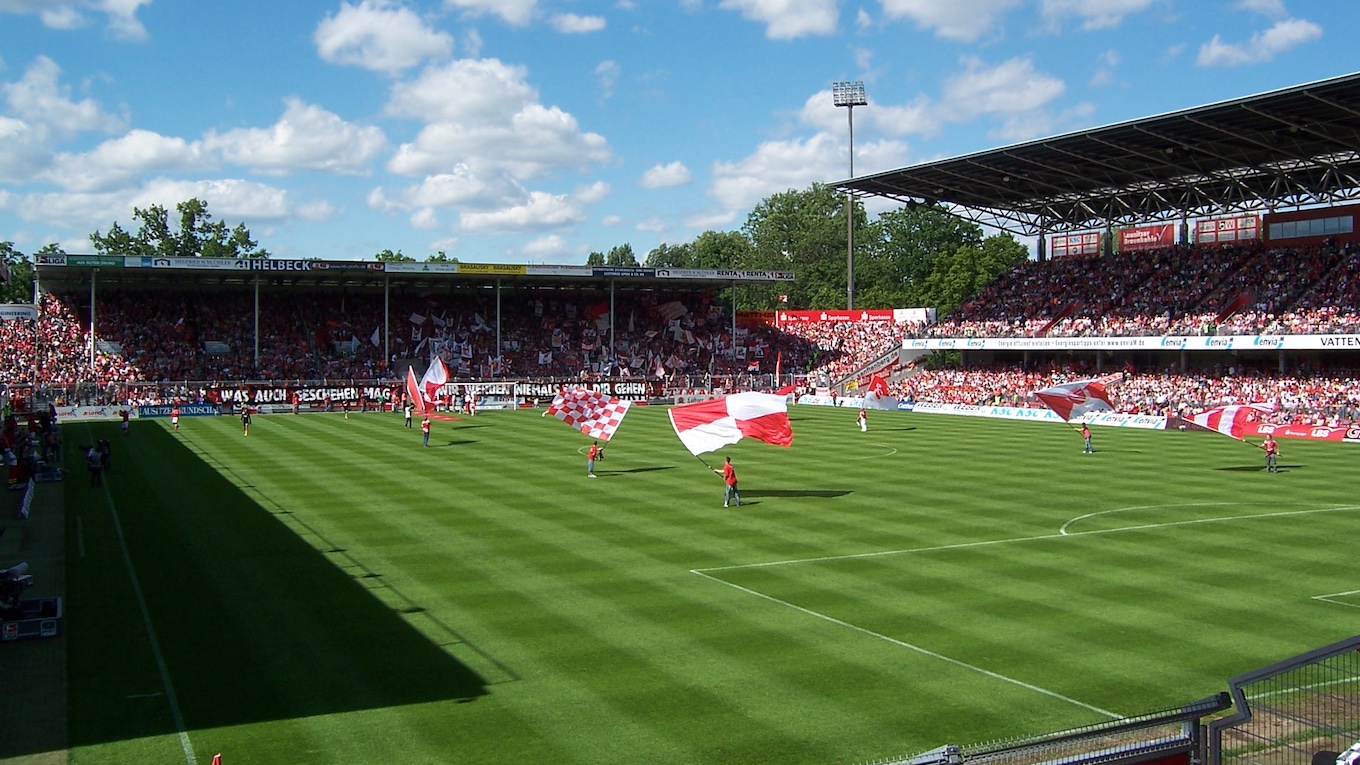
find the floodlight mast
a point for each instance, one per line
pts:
(850, 95)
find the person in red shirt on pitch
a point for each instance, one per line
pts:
(1272, 454)
(594, 454)
(729, 475)
(174, 417)
(425, 431)
(125, 414)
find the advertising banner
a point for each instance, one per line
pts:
(724, 274)
(92, 413)
(95, 261)
(1074, 245)
(1223, 230)
(185, 410)
(491, 269)
(1164, 343)
(309, 397)
(876, 316)
(1346, 434)
(17, 311)
(623, 272)
(628, 390)
(1146, 237)
(422, 268)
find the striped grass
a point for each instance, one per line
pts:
(326, 590)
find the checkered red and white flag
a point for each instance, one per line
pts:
(589, 411)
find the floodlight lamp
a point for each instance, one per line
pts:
(849, 93)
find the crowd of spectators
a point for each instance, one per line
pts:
(1331, 397)
(1229, 289)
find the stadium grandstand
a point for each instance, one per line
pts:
(1209, 254)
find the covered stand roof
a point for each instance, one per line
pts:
(1294, 147)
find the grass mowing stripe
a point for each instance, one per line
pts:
(166, 684)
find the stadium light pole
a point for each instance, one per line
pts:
(850, 95)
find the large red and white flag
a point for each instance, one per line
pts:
(878, 396)
(1079, 397)
(413, 391)
(1232, 420)
(427, 393)
(589, 411)
(708, 425)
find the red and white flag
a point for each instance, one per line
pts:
(589, 411)
(434, 379)
(413, 391)
(1077, 398)
(878, 396)
(705, 426)
(1232, 420)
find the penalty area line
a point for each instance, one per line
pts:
(912, 647)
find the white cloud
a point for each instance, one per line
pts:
(23, 151)
(919, 117)
(611, 220)
(228, 198)
(1009, 88)
(41, 101)
(538, 210)
(654, 226)
(120, 163)
(515, 12)
(306, 137)
(1269, 8)
(379, 36)
(666, 176)
(788, 19)
(964, 20)
(571, 23)
(711, 220)
(425, 218)
(1094, 14)
(546, 246)
(71, 14)
(483, 113)
(1263, 46)
(607, 72)
(1106, 63)
(775, 167)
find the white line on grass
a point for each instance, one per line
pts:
(1063, 530)
(1329, 598)
(891, 451)
(151, 635)
(916, 648)
(1036, 538)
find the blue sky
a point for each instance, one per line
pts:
(536, 131)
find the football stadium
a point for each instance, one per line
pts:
(328, 511)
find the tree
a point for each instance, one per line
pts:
(621, 256)
(387, 256)
(801, 231)
(671, 256)
(19, 288)
(961, 274)
(440, 257)
(904, 245)
(595, 258)
(197, 235)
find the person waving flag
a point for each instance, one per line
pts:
(594, 413)
(1077, 398)
(705, 426)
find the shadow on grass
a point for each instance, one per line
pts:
(463, 442)
(1256, 468)
(635, 470)
(793, 493)
(253, 622)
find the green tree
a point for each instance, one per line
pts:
(901, 249)
(440, 257)
(595, 258)
(621, 256)
(801, 231)
(961, 274)
(671, 255)
(196, 235)
(19, 288)
(387, 256)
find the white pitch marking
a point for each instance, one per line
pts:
(1329, 598)
(1063, 530)
(161, 667)
(1036, 538)
(916, 648)
(891, 452)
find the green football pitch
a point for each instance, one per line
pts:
(326, 590)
